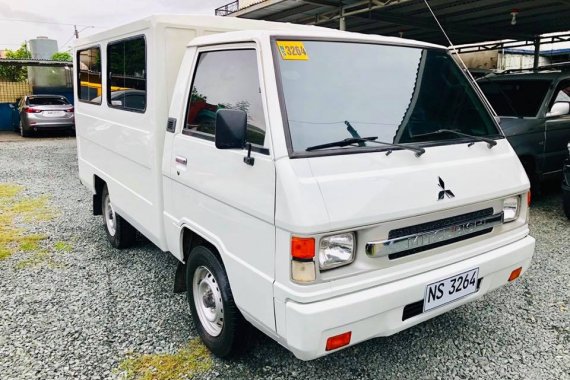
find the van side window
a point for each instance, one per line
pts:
(126, 74)
(89, 75)
(226, 79)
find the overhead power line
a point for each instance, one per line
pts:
(45, 22)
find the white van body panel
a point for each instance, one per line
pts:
(249, 213)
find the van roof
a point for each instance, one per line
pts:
(313, 32)
(249, 29)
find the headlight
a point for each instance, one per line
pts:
(511, 208)
(336, 250)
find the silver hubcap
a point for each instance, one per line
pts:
(208, 301)
(110, 216)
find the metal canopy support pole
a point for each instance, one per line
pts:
(536, 52)
(342, 20)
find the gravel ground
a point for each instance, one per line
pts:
(83, 312)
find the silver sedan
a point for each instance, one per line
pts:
(45, 112)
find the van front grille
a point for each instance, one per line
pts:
(436, 225)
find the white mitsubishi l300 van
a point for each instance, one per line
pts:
(325, 187)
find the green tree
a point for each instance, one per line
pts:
(14, 73)
(61, 56)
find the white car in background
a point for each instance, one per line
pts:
(45, 113)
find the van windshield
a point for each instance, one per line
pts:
(401, 95)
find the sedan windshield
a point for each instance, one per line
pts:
(400, 95)
(519, 98)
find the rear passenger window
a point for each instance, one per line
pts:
(89, 75)
(226, 79)
(126, 74)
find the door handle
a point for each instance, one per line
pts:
(181, 160)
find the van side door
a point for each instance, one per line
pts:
(557, 131)
(213, 191)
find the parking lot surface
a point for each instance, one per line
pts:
(71, 306)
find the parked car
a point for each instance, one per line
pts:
(325, 209)
(45, 112)
(534, 108)
(566, 185)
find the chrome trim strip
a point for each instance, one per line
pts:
(409, 242)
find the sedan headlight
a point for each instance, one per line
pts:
(511, 208)
(336, 250)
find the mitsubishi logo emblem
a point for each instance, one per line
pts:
(444, 192)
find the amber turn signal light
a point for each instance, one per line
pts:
(515, 274)
(338, 341)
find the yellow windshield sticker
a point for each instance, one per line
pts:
(292, 50)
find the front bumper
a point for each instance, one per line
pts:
(378, 311)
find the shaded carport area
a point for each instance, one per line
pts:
(23, 77)
(495, 22)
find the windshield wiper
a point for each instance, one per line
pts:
(354, 140)
(490, 142)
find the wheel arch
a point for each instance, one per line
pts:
(190, 239)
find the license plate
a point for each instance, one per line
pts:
(53, 113)
(451, 289)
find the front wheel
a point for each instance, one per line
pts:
(216, 317)
(119, 232)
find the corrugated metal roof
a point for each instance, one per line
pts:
(34, 62)
(465, 21)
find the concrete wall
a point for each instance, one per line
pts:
(496, 60)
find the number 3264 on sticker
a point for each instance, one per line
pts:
(292, 50)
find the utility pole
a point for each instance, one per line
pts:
(76, 32)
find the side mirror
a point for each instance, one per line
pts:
(231, 127)
(117, 103)
(559, 109)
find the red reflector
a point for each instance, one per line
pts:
(528, 198)
(515, 274)
(302, 248)
(338, 341)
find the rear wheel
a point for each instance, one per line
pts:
(216, 317)
(119, 232)
(23, 131)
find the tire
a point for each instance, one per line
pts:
(566, 202)
(227, 333)
(119, 232)
(24, 132)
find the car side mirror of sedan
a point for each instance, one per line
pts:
(559, 109)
